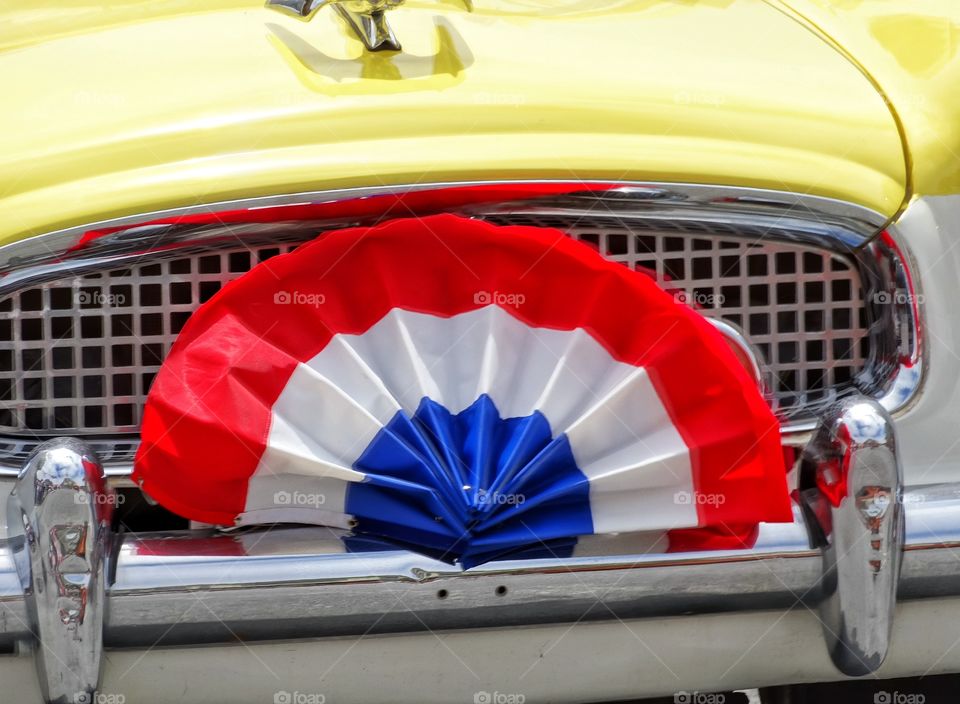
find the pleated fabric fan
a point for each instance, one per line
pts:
(460, 389)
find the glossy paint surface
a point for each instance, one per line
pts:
(912, 51)
(136, 106)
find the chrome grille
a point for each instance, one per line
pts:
(801, 307)
(78, 354)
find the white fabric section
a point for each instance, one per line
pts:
(620, 433)
(407, 356)
(637, 462)
(642, 509)
(295, 498)
(315, 425)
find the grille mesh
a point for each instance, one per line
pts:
(78, 355)
(801, 307)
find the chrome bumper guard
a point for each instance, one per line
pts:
(70, 588)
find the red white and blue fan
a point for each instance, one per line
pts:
(461, 389)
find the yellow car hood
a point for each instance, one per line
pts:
(135, 105)
(912, 51)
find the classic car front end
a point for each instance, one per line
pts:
(789, 170)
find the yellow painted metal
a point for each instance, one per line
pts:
(135, 105)
(912, 51)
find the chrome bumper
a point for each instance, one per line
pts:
(70, 588)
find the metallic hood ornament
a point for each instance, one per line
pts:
(366, 17)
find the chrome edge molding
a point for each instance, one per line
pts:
(849, 229)
(58, 518)
(859, 224)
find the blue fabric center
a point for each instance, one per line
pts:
(470, 486)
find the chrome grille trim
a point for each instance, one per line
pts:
(752, 224)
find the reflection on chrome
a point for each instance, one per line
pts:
(367, 18)
(58, 517)
(851, 485)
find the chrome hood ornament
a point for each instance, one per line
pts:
(366, 17)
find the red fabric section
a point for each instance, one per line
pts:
(723, 537)
(207, 417)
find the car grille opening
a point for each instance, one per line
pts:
(78, 354)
